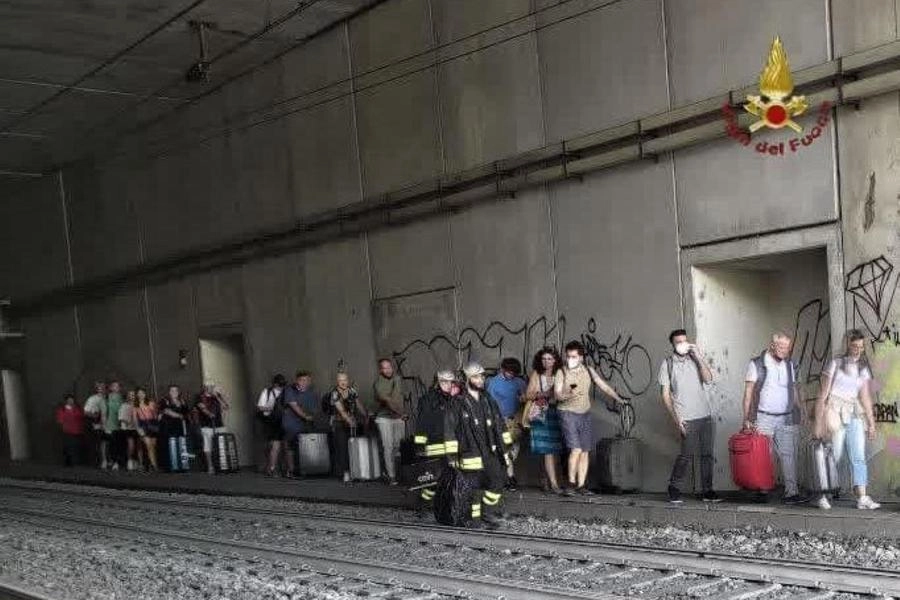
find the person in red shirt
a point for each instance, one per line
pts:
(70, 417)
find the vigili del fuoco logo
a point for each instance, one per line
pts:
(775, 108)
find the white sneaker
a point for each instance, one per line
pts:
(866, 503)
(115, 466)
(823, 503)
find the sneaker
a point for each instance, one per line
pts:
(794, 499)
(512, 485)
(675, 496)
(115, 466)
(866, 503)
(132, 465)
(568, 492)
(490, 521)
(394, 482)
(583, 491)
(823, 503)
(711, 496)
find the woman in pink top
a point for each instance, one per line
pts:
(147, 416)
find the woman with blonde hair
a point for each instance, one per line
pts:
(844, 414)
(349, 413)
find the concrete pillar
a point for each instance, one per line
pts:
(16, 422)
(14, 400)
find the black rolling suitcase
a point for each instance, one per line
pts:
(225, 455)
(619, 458)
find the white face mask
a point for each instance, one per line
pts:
(573, 362)
(682, 348)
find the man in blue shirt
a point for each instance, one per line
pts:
(507, 388)
(299, 407)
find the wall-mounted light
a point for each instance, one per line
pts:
(182, 359)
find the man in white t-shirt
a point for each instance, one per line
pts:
(772, 407)
(95, 412)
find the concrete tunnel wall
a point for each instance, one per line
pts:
(601, 255)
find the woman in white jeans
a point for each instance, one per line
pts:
(844, 414)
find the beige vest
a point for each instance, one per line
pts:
(581, 402)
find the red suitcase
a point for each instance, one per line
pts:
(751, 461)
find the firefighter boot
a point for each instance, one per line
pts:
(490, 520)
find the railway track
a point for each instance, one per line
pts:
(12, 591)
(629, 569)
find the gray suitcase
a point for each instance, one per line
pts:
(365, 463)
(619, 464)
(825, 477)
(312, 454)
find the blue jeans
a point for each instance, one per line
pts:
(853, 435)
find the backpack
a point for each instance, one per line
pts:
(278, 406)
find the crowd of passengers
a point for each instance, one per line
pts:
(120, 429)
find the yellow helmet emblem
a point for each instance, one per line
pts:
(776, 107)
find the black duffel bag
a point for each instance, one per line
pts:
(453, 498)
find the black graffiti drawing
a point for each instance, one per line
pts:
(885, 413)
(812, 340)
(418, 360)
(871, 288)
(622, 361)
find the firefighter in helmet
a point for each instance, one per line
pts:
(429, 436)
(477, 442)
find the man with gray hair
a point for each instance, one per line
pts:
(772, 407)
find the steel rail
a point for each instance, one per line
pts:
(444, 582)
(13, 591)
(808, 574)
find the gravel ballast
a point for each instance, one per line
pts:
(748, 541)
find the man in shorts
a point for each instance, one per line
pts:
(573, 392)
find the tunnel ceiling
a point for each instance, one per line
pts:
(76, 73)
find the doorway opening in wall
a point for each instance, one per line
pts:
(223, 364)
(739, 303)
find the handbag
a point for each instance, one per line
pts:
(534, 411)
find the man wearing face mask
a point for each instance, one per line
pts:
(683, 377)
(772, 407)
(573, 392)
(477, 443)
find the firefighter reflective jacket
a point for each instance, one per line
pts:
(474, 431)
(429, 436)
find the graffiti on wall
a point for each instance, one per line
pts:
(812, 340)
(618, 358)
(871, 288)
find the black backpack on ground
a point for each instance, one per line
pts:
(453, 498)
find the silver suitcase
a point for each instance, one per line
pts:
(312, 454)
(824, 468)
(365, 463)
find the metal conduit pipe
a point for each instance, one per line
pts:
(846, 80)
